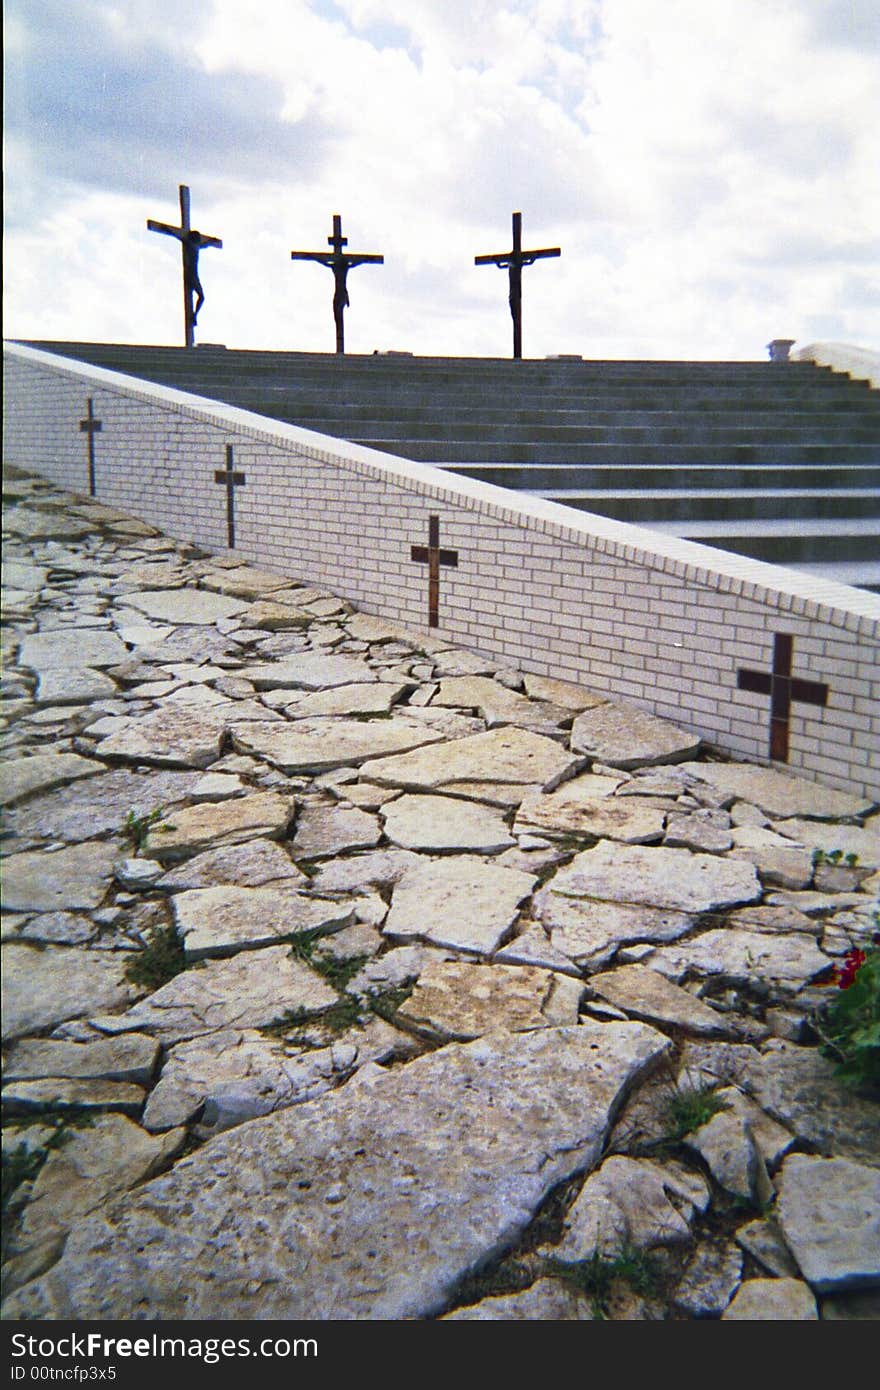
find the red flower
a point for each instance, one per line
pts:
(851, 962)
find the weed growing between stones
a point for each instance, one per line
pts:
(596, 1276)
(688, 1108)
(159, 961)
(138, 827)
(336, 972)
(834, 856)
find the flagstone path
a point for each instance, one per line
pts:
(351, 975)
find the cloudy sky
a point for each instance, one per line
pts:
(708, 167)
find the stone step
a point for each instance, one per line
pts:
(543, 478)
(583, 431)
(786, 542)
(702, 505)
(440, 452)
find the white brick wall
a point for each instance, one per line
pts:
(640, 616)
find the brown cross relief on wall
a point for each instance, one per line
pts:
(783, 689)
(90, 427)
(432, 556)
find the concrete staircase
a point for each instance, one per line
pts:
(779, 461)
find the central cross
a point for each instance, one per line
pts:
(432, 556)
(90, 426)
(191, 243)
(783, 688)
(513, 261)
(230, 478)
(340, 262)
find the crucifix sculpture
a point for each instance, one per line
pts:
(340, 262)
(191, 243)
(513, 261)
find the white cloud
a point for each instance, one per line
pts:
(708, 170)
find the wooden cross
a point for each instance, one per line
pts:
(513, 261)
(230, 478)
(783, 688)
(432, 556)
(191, 243)
(90, 426)
(340, 262)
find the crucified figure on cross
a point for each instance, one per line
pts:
(191, 243)
(513, 262)
(340, 262)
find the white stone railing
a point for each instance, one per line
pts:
(663, 623)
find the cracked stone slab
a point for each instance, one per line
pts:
(322, 831)
(763, 1240)
(176, 735)
(347, 700)
(443, 823)
(565, 694)
(45, 987)
(728, 1146)
(745, 956)
(545, 1300)
(380, 868)
(358, 1212)
(250, 990)
(253, 864)
(92, 1166)
(497, 704)
(219, 921)
(567, 811)
(72, 686)
(75, 877)
(455, 903)
(21, 777)
(185, 607)
(534, 947)
(590, 932)
(776, 1300)
(71, 1093)
(710, 1280)
(508, 755)
(318, 745)
(798, 1086)
(100, 804)
(778, 794)
(625, 737)
(453, 999)
(308, 671)
(264, 815)
(630, 1201)
(863, 841)
(658, 877)
(245, 582)
(71, 648)
(277, 617)
(706, 831)
(643, 993)
(130, 1058)
(779, 863)
(236, 1075)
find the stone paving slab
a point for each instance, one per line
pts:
(269, 865)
